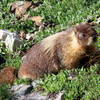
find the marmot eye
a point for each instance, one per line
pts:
(82, 36)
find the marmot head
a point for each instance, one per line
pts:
(85, 34)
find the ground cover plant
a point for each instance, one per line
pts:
(58, 15)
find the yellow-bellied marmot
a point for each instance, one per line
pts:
(63, 50)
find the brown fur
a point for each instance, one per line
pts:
(63, 50)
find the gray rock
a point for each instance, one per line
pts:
(10, 39)
(40, 96)
(3, 35)
(33, 96)
(20, 90)
(36, 83)
(25, 92)
(59, 96)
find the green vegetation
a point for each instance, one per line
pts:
(4, 93)
(85, 85)
(63, 14)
